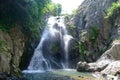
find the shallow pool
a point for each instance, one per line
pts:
(61, 74)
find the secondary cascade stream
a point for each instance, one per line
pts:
(52, 51)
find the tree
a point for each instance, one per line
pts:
(54, 9)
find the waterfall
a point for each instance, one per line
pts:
(38, 59)
(55, 37)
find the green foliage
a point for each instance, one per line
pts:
(3, 28)
(83, 35)
(35, 20)
(94, 32)
(31, 14)
(33, 8)
(4, 48)
(70, 26)
(58, 8)
(117, 40)
(2, 43)
(74, 11)
(54, 9)
(115, 6)
(71, 29)
(82, 48)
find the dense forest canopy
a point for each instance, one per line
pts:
(28, 13)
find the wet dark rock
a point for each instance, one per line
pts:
(82, 66)
(4, 76)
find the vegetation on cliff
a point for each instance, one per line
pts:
(112, 10)
(30, 14)
(91, 25)
(21, 21)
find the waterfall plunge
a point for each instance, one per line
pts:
(55, 31)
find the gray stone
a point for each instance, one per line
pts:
(11, 50)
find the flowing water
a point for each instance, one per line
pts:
(51, 57)
(54, 32)
(62, 74)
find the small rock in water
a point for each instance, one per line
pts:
(81, 76)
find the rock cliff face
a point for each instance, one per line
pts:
(92, 29)
(11, 50)
(19, 28)
(108, 38)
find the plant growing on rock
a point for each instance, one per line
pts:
(70, 26)
(4, 48)
(115, 6)
(83, 35)
(82, 49)
(94, 32)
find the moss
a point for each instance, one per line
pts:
(93, 34)
(15, 71)
(4, 48)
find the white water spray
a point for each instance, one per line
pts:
(38, 61)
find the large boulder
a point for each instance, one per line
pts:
(112, 69)
(108, 57)
(108, 65)
(93, 67)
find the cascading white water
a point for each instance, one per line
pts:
(65, 38)
(38, 58)
(38, 61)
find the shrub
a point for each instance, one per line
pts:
(83, 35)
(115, 6)
(82, 49)
(94, 32)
